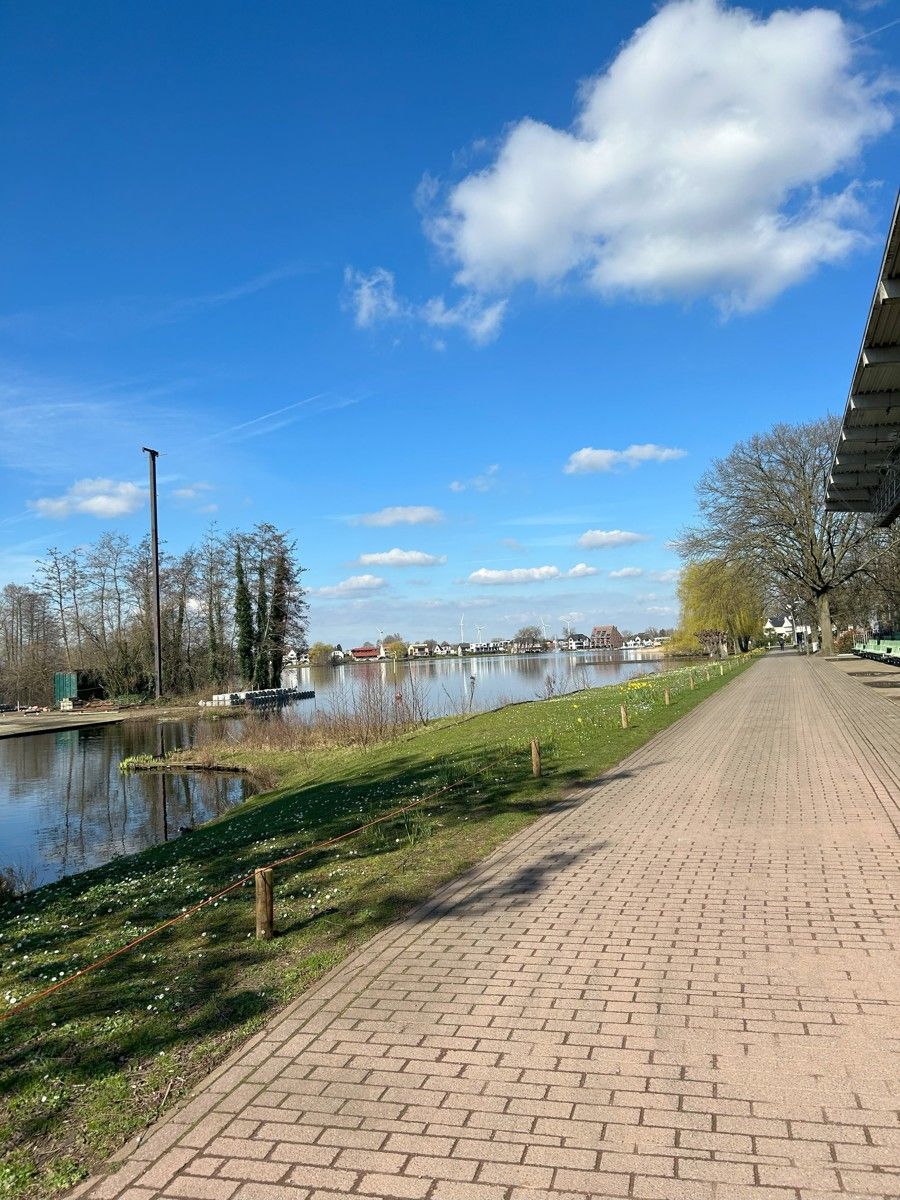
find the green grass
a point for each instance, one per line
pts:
(85, 1068)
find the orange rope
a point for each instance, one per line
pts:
(189, 912)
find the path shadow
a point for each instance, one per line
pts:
(514, 891)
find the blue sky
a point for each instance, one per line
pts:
(376, 273)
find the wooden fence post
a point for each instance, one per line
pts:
(535, 758)
(666, 696)
(721, 669)
(265, 903)
(707, 674)
(624, 714)
(692, 680)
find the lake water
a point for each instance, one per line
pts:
(66, 807)
(445, 685)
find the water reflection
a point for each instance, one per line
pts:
(445, 684)
(65, 806)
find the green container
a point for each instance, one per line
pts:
(65, 686)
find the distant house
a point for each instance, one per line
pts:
(364, 653)
(606, 637)
(418, 650)
(575, 641)
(781, 626)
(295, 658)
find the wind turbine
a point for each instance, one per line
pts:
(543, 628)
(462, 626)
(478, 632)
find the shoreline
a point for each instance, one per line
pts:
(21, 725)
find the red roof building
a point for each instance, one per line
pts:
(364, 652)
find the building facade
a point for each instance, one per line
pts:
(606, 637)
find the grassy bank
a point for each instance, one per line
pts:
(83, 1069)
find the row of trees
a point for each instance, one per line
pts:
(765, 542)
(231, 607)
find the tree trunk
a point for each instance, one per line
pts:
(827, 642)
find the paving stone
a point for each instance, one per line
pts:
(678, 986)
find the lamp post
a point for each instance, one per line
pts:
(154, 554)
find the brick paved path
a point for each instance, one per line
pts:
(681, 986)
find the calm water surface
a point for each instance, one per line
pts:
(445, 684)
(65, 807)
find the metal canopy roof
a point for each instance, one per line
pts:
(865, 471)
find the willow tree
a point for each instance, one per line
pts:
(721, 605)
(762, 509)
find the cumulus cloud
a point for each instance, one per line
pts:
(373, 300)
(604, 539)
(355, 584)
(626, 573)
(667, 576)
(479, 483)
(401, 514)
(401, 558)
(486, 575)
(94, 497)
(515, 575)
(589, 459)
(698, 163)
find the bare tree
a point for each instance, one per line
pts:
(764, 506)
(29, 645)
(90, 609)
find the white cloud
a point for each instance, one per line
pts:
(626, 573)
(401, 514)
(192, 492)
(94, 497)
(480, 320)
(603, 539)
(530, 574)
(667, 576)
(356, 583)
(698, 163)
(373, 300)
(589, 459)
(401, 558)
(479, 483)
(515, 575)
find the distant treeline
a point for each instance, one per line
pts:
(231, 607)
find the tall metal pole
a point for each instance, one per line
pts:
(154, 552)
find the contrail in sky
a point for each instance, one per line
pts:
(872, 32)
(265, 417)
